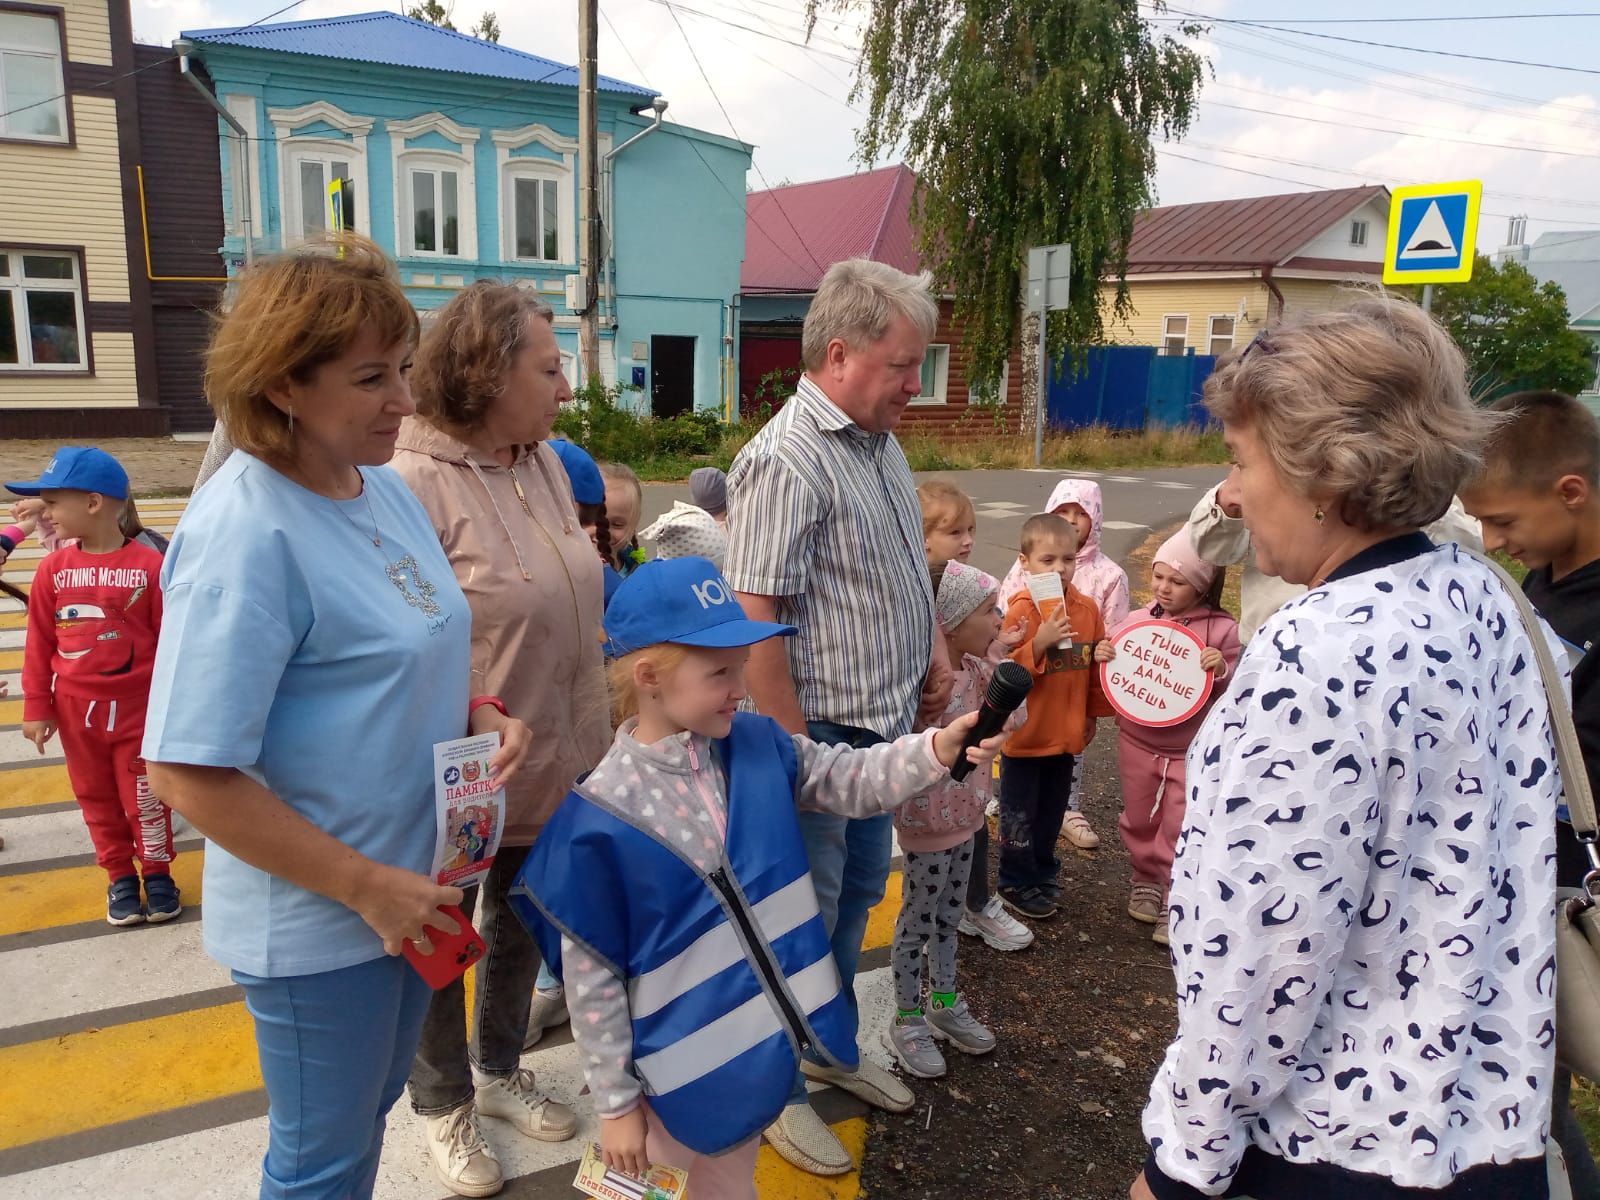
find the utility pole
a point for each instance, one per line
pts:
(589, 187)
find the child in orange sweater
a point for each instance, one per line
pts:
(1036, 768)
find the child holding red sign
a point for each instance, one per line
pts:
(1186, 590)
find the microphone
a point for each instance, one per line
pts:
(1008, 688)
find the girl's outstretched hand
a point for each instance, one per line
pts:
(622, 1143)
(947, 743)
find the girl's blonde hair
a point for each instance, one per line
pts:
(942, 502)
(667, 657)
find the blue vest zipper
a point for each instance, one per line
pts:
(770, 975)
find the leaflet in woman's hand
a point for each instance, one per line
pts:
(469, 810)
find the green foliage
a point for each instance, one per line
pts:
(1029, 123)
(599, 422)
(435, 13)
(1513, 330)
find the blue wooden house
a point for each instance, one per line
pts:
(463, 160)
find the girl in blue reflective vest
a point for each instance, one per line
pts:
(672, 891)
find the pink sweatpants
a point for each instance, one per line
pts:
(1153, 803)
(727, 1176)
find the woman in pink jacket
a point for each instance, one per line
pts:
(488, 384)
(1187, 591)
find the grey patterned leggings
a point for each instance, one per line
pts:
(933, 898)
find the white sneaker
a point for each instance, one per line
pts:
(516, 1098)
(462, 1160)
(548, 1010)
(868, 1082)
(992, 809)
(998, 928)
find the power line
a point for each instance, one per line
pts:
(1336, 37)
(694, 12)
(740, 202)
(1420, 20)
(777, 203)
(1438, 137)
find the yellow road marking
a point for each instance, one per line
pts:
(27, 786)
(10, 660)
(777, 1180)
(74, 895)
(140, 1068)
(13, 620)
(10, 712)
(880, 922)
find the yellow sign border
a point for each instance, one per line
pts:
(1473, 188)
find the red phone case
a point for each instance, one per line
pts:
(452, 953)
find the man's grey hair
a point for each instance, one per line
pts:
(857, 302)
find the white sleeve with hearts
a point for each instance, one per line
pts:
(602, 1028)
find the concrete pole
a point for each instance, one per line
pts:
(589, 186)
(1427, 297)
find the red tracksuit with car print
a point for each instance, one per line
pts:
(93, 621)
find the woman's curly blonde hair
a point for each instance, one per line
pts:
(1364, 409)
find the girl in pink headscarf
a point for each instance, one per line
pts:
(1186, 590)
(1100, 579)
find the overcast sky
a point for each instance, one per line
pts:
(1286, 105)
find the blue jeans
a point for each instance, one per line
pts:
(335, 1049)
(849, 869)
(547, 981)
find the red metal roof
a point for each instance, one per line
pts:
(1223, 235)
(794, 234)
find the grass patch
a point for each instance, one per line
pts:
(669, 448)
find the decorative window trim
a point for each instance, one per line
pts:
(76, 286)
(941, 378)
(284, 122)
(566, 214)
(463, 162)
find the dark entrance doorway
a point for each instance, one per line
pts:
(671, 376)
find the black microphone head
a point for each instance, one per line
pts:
(1009, 687)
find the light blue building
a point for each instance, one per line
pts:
(463, 160)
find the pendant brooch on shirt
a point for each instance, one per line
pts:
(398, 571)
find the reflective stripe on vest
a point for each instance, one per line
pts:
(723, 1040)
(718, 949)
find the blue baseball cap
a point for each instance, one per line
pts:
(78, 469)
(682, 600)
(587, 486)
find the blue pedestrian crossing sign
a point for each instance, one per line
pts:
(1433, 232)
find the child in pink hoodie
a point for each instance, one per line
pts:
(1100, 579)
(1186, 591)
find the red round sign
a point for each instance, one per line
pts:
(1156, 678)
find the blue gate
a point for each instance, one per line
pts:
(1129, 387)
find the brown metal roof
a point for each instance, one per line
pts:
(1222, 235)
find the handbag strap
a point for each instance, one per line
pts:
(1569, 756)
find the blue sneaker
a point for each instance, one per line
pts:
(122, 902)
(161, 898)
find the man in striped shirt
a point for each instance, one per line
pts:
(825, 534)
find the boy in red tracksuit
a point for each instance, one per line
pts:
(94, 615)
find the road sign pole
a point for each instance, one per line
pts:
(1041, 390)
(1427, 297)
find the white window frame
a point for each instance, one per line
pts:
(562, 169)
(15, 285)
(1358, 233)
(939, 352)
(292, 148)
(1168, 337)
(463, 162)
(1002, 390)
(1213, 337)
(58, 93)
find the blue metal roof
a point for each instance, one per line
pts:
(397, 41)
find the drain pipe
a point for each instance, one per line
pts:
(607, 183)
(183, 47)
